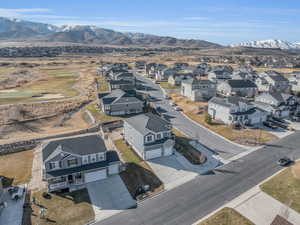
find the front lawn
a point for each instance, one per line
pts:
(102, 84)
(66, 209)
(183, 146)
(285, 187)
(16, 167)
(138, 173)
(226, 216)
(197, 111)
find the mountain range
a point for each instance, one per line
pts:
(270, 44)
(21, 30)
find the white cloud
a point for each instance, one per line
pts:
(21, 12)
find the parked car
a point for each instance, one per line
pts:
(285, 161)
(177, 108)
(167, 97)
(173, 104)
(16, 192)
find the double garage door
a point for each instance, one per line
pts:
(158, 153)
(94, 176)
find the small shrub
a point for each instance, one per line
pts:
(208, 119)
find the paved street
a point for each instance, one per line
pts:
(188, 203)
(210, 140)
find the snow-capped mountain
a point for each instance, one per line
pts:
(270, 44)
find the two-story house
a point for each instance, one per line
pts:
(275, 81)
(198, 90)
(219, 76)
(119, 102)
(149, 135)
(164, 74)
(242, 88)
(235, 110)
(68, 164)
(278, 104)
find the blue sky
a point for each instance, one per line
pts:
(221, 21)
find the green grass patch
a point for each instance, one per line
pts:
(285, 187)
(226, 216)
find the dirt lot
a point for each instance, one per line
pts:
(16, 167)
(197, 110)
(137, 172)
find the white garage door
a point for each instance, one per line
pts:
(93, 176)
(113, 169)
(153, 154)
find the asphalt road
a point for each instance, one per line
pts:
(190, 202)
(224, 148)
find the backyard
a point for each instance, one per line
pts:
(197, 112)
(226, 216)
(137, 172)
(16, 167)
(285, 187)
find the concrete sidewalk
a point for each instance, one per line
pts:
(262, 209)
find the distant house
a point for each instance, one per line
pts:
(278, 104)
(124, 85)
(198, 90)
(219, 76)
(242, 88)
(235, 110)
(124, 76)
(69, 164)
(275, 81)
(119, 102)
(149, 135)
(140, 65)
(1, 193)
(164, 74)
(175, 80)
(180, 65)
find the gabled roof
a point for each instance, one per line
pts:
(119, 96)
(229, 101)
(149, 122)
(241, 84)
(194, 81)
(84, 145)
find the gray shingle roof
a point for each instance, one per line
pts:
(149, 122)
(119, 96)
(229, 101)
(79, 145)
(196, 81)
(111, 156)
(241, 84)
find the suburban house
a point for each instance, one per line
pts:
(219, 76)
(124, 76)
(164, 74)
(176, 79)
(235, 110)
(242, 88)
(140, 65)
(115, 70)
(180, 65)
(149, 135)
(69, 164)
(198, 90)
(125, 85)
(119, 102)
(275, 81)
(278, 104)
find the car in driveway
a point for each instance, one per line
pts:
(285, 161)
(177, 108)
(173, 104)
(167, 97)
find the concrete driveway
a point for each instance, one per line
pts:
(109, 196)
(170, 171)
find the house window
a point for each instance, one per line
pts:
(101, 156)
(85, 159)
(52, 165)
(158, 136)
(93, 158)
(149, 138)
(72, 162)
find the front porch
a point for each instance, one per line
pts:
(64, 182)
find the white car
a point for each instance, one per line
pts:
(177, 108)
(173, 104)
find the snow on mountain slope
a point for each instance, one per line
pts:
(270, 44)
